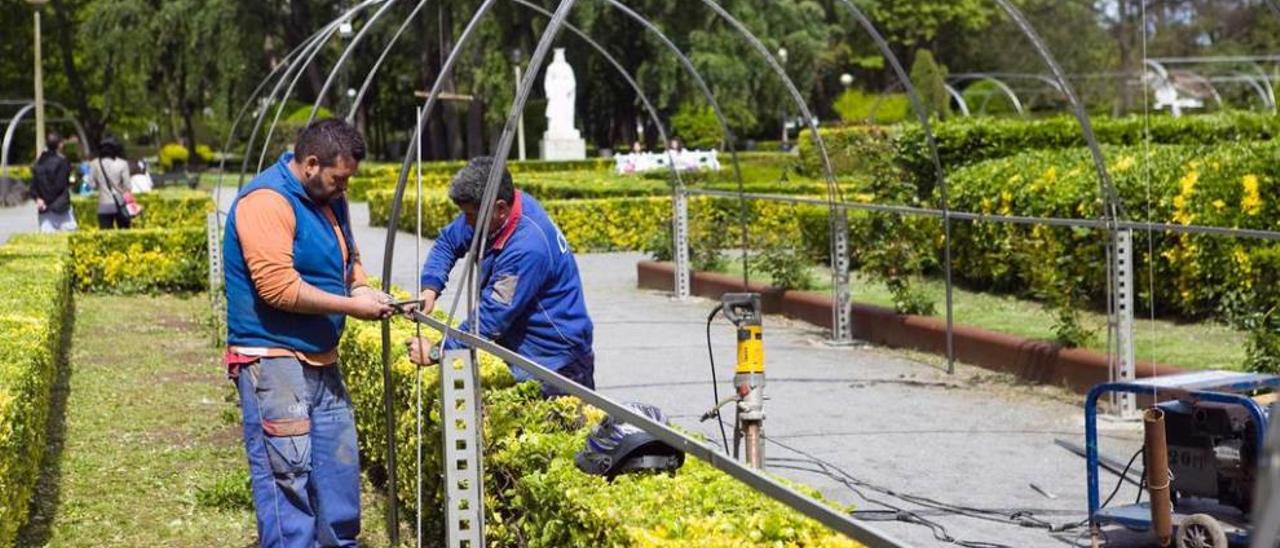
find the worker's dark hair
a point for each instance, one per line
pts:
(467, 186)
(110, 148)
(52, 141)
(328, 140)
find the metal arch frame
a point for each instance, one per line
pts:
(841, 324)
(320, 36)
(377, 65)
(1119, 294)
(819, 512)
(922, 116)
(342, 60)
(13, 128)
(1259, 85)
(253, 97)
(958, 98)
(998, 83)
(311, 55)
(682, 274)
(389, 250)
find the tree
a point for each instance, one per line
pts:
(930, 81)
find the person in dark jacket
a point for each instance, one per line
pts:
(532, 300)
(51, 185)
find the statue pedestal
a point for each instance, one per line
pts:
(564, 146)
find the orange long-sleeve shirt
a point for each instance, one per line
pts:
(265, 225)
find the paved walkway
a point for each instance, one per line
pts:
(972, 439)
(17, 219)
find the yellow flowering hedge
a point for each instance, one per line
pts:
(965, 141)
(141, 260)
(21, 173)
(35, 272)
(534, 496)
(166, 208)
(1227, 185)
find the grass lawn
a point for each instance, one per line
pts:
(148, 450)
(1191, 345)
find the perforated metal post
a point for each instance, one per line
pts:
(681, 235)
(842, 314)
(214, 244)
(1125, 366)
(464, 510)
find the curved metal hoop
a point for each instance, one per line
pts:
(13, 127)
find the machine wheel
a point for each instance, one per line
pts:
(1201, 531)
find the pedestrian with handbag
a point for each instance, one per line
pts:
(109, 175)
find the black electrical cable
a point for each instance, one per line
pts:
(1120, 481)
(1023, 518)
(715, 390)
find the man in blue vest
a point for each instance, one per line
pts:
(293, 275)
(531, 299)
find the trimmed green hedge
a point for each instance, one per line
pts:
(141, 260)
(534, 496)
(37, 301)
(1231, 185)
(965, 141)
(21, 173)
(167, 208)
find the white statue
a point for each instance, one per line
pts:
(561, 88)
(561, 141)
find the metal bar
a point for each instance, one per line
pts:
(386, 50)
(762, 483)
(213, 242)
(463, 493)
(1008, 219)
(342, 59)
(1125, 371)
(681, 235)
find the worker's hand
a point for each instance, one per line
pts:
(370, 306)
(426, 303)
(40, 206)
(420, 350)
(365, 291)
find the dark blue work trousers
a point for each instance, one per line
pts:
(300, 437)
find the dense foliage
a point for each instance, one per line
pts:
(535, 496)
(37, 303)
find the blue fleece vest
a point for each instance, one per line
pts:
(317, 257)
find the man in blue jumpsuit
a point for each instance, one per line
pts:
(531, 299)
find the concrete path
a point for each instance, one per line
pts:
(885, 417)
(16, 220)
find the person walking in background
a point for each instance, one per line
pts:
(109, 175)
(51, 185)
(140, 181)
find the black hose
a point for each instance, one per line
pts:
(715, 390)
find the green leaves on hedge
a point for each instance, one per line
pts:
(36, 274)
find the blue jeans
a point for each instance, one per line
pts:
(300, 437)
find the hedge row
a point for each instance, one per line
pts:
(168, 208)
(534, 495)
(565, 185)
(635, 223)
(37, 301)
(156, 260)
(1229, 185)
(966, 141)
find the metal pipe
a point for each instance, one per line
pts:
(922, 116)
(368, 79)
(1157, 468)
(346, 54)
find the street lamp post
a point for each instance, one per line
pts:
(39, 79)
(846, 80)
(516, 57)
(782, 57)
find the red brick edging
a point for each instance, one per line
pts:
(1033, 360)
